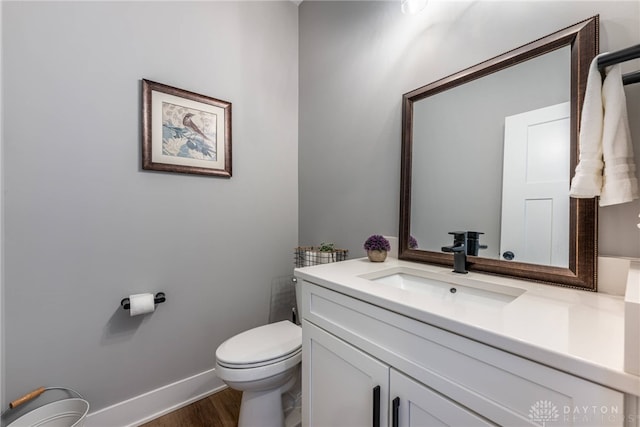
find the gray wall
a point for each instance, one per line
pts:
(356, 61)
(85, 227)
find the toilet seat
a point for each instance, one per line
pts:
(258, 364)
(261, 346)
(240, 375)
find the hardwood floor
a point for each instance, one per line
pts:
(218, 410)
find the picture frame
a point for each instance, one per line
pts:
(185, 132)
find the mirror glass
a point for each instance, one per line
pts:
(491, 149)
(463, 158)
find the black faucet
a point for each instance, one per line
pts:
(473, 243)
(459, 251)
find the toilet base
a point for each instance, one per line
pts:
(264, 408)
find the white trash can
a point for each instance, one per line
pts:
(70, 412)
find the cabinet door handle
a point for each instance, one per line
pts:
(395, 405)
(376, 406)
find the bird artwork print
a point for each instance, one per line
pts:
(188, 133)
(189, 123)
(199, 141)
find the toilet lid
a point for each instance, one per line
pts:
(261, 344)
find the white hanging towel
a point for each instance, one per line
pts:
(619, 183)
(606, 166)
(587, 182)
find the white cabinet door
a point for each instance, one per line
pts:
(415, 405)
(340, 382)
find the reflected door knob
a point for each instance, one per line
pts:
(508, 255)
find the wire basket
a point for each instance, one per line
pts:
(305, 256)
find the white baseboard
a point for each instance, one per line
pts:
(155, 403)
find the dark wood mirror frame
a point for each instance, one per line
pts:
(583, 38)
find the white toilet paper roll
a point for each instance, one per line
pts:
(141, 304)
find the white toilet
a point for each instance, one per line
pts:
(263, 363)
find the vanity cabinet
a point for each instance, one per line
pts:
(359, 360)
(350, 388)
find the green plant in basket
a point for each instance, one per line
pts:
(325, 254)
(326, 247)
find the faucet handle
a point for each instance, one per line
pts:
(459, 237)
(459, 242)
(473, 242)
(474, 234)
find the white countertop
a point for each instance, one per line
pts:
(575, 331)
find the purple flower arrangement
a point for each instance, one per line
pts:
(377, 243)
(413, 243)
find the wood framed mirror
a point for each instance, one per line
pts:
(442, 180)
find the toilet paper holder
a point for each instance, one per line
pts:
(159, 298)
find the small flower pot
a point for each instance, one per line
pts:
(377, 255)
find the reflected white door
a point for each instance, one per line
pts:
(535, 187)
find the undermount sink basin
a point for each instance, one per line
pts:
(462, 291)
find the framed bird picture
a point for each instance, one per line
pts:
(185, 132)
